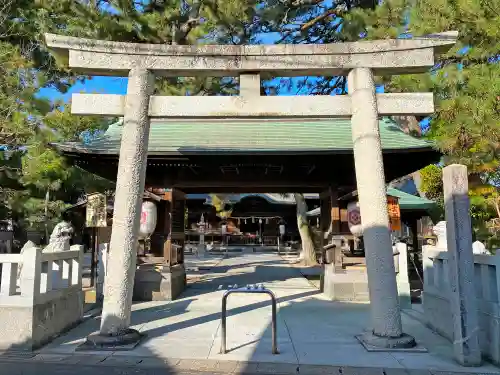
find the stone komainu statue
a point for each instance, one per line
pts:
(59, 241)
(60, 237)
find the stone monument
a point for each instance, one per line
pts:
(201, 250)
(461, 266)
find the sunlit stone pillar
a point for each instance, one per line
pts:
(461, 266)
(130, 181)
(384, 304)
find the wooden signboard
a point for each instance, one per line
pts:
(394, 213)
(96, 211)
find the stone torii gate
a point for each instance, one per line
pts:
(360, 61)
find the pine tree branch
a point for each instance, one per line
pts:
(300, 3)
(466, 61)
(181, 32)
(337, 11)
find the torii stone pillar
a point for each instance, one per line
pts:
(130, 182)
(384, 304)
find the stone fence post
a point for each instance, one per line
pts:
(31, 273)
(102, 264)
(402, 279)
(461, 266)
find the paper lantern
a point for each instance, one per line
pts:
(149, 217)
(354, 219)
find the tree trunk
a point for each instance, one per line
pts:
(47, 199)
(497, 207)
(307, 254)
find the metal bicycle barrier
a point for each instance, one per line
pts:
(258, 289)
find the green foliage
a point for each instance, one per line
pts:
(466, 84)
(28, 124)
(432, 186)
(30, 170)
(484, 199)
(222, 208)
(432, 182)
(465, 81)
(163, 22)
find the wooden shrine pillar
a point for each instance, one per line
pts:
(174, 231)
(331, 228)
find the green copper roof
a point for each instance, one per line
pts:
(249, 135)
(411, 202)
(407, 202)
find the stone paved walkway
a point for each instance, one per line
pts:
(312, 331)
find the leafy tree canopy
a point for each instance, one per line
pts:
(466, 81)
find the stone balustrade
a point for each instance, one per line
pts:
(436, 298)
(40, 296)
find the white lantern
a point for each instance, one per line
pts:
(354, 219)
(224, 229)
(149, 217)
(282, 229)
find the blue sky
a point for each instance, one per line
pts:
(108, 85)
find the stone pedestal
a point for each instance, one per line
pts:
(346, 286)
(156, 282)
(201, 250)
(247, 249)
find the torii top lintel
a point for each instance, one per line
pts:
(389, 56)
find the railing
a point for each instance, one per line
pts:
(436, 297)
(6, 241)
(255, 290)
(34, 277)
(486, 275)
